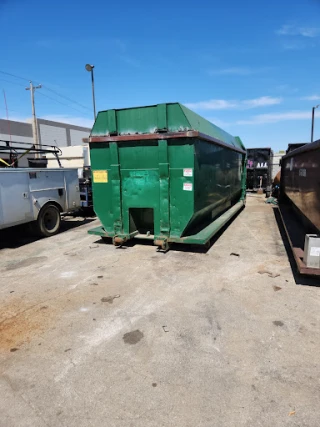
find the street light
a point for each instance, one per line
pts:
(312, 122)
(90, 69)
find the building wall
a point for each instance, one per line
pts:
(276, 162)
(50, 133)
(71, 157)
(53, 135)
(61, 134)
(17, 130)
(77, 135)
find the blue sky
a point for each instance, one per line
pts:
(250, 67)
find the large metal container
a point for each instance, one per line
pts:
(259, 169)
(163, 172)
(300, 182)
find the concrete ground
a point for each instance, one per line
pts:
(91, 335)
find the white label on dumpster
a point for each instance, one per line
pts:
(314, 251)
(187, 186)
(187, 172)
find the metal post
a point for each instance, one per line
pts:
(90, 68)
(93, 97)
(312, 121)
(34, 118)
(312, 124)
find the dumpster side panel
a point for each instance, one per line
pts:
(181, 160)
(218, 180)
(300, 180)
(101, 186)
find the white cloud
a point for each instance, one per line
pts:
(222, 104)
(129, 60)
(218, 122)
(240, 71)
(213, 104)
(294, 45)
(263, 101)
(77, 121)
(287, 89)
(16, 118)
(120, 44)
(237, 71)
(277, 117)
(292, 30)
(311, 98)
(310, 32)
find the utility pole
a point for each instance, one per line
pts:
(312, 121)
(34, 118)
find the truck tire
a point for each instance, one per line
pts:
(49, 220)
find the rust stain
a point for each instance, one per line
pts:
(20, 322)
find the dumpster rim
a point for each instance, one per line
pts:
(164, 135)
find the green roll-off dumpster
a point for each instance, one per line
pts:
(164, 173)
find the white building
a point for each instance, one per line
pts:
(276, 162)
(65, 136)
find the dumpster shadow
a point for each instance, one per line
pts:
(20, 235)
(298, 278)
(128, 244)
(203, 249)
(177, 247)
(84, 213)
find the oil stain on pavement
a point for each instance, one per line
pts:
(132, 337)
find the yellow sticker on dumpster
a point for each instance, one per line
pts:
(100, 176)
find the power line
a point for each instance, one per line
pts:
(49, 89)
(9, 109)
(13, 75)
(62, 103)
(65, 97)
(14, 83)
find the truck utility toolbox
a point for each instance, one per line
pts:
(41, 195)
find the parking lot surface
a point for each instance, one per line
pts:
(93, 335)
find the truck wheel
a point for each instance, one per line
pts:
(49, 221)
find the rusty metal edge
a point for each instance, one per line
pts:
(161, 136)
(308, 147)
(302, 268)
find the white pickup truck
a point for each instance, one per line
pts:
(38, 196)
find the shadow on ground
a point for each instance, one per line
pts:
(15, 237)
(178, 247)
(299, 279)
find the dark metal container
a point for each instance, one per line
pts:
(259, 169)
(295, 146)
(300, 183)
